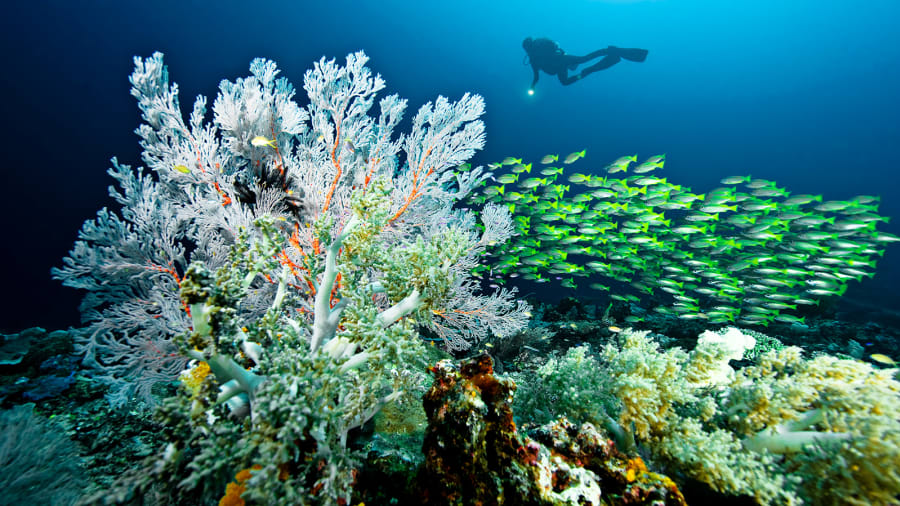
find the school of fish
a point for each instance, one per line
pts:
(748, 252)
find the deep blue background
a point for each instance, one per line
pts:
(804, 92)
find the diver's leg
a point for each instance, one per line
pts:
(571, 61)
(603, 64)
(590, 56)
(566, 79)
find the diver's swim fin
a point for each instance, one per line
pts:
(630, 54)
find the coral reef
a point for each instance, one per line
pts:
(778, 429)
(475, 455)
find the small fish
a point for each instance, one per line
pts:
(625, 160)
(882, 359)
(549, 159)
(613, 328)
(735, 179)
(532, 182)
(646, 167)
(260, 141)
(511, 161)
(508, 178)
(549, 171)
(574, 156)
(181, 168)
(579, 178)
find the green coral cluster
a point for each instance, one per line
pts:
(785, 429)
(567, 386)
(836, 421)
(273, 404)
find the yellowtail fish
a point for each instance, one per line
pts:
(735, 179)
(616, 167)
(573, 157)
(260, 141)
(579, 178)
(625, 160)
(882, 359)
(532, 182)
(508, 178)
(646, 167)
(549, 171)
(549, 159)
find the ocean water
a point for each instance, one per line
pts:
(804, 93)
(801, 92)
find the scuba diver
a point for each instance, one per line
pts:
(544, 54)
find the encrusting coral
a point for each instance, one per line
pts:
(475, 455)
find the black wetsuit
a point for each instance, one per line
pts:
(546, 55)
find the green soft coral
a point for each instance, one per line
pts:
(666, 403)
(784, 430)
(836, 421)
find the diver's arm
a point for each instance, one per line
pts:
(537, 74)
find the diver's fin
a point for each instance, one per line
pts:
(630, 54)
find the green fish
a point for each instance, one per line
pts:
(788, 318)
(579, 178)
(549, 159)
(532, 182)
(735, 179)
(550, 171)
(574, 156)
(508, 178)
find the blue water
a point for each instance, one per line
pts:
(803, 92)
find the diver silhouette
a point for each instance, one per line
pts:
(544, 54)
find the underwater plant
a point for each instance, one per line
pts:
(364, 214)
(783, 429)
(280, 262)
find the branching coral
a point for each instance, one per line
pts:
(362, 212)
(786, 429)
(303, 254)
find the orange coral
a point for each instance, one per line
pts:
(234, 489)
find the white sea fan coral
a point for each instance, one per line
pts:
(265, 154)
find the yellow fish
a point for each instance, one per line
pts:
(882, 359)
(181, 168)
(260, 141)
